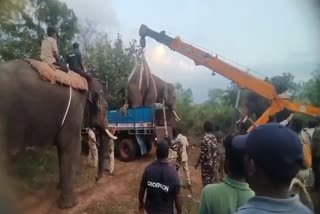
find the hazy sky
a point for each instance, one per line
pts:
(269, 36)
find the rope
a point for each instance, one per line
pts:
(136, 61)
(132, 72)
(141, 74)
(68, 107)
(165, 118)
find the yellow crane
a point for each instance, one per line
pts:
(243, 79)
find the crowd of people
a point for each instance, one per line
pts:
(266, 171)
(269, 170)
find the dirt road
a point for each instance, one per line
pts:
(112, 194)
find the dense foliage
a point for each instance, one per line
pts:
(22, 30)
(22, 27)
(219, 107)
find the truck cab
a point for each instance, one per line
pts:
(138, 130)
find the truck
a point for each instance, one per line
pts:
(138, 130)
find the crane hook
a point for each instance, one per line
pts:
(142, 42)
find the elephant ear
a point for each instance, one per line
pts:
(100, 100)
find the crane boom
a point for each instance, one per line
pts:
(242, 78)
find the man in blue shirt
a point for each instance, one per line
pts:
(161, 183)
(274, 157)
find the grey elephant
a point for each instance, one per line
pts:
(146, 89)
(141, 88)
(33, 112)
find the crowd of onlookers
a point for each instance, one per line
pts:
(268, 170)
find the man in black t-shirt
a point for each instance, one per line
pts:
(161, 183)
(74, 60)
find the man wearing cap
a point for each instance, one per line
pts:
(161, 183)
(225, 197)
(273, 158)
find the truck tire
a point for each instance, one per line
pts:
(127, 150)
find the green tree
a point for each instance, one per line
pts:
(255, 103)
(185, 107)
(311, 89)
(109, 61)
(10, 9)
(21, 37)
(284, 83)
(216, 97)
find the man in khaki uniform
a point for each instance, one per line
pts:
(49, 50)
(184, 144)
(93, 151)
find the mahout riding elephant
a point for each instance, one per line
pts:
(33, 113)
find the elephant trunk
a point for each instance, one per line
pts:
(105, 136)
(102, 152)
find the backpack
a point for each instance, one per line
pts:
(306, 149)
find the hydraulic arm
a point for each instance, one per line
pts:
(243, 79)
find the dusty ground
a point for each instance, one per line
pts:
(36, 177)
(111, 195)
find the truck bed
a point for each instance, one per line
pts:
(136, 118)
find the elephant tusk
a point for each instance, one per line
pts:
(111, 135)
(176, 115)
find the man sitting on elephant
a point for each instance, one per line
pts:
(74, 60)
(49, 50)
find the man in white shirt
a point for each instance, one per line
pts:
(184, 144)
(93, 151)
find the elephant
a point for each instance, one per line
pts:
(166, 93)
(32, 113)
(141, 88)
(146, 89)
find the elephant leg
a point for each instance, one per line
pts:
(60, 168)
(104, 140)
(134, 96)
(70, 149)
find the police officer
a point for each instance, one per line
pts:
(161, 185)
